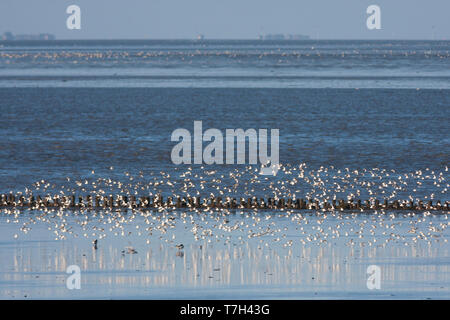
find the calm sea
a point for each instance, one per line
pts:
(70, 107)
(356, 118)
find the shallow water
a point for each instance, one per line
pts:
(292, 260)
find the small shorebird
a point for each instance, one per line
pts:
(129, 250)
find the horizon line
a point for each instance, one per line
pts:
(227, 39)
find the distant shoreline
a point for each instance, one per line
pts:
(221, 40)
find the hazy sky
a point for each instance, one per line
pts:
(233, 19)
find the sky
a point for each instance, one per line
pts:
(228, 19)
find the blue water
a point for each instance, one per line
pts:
(237, 64)
(54, 133)
(364, 119)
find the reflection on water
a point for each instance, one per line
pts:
(229, 264)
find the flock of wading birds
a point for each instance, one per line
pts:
(111, 201)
